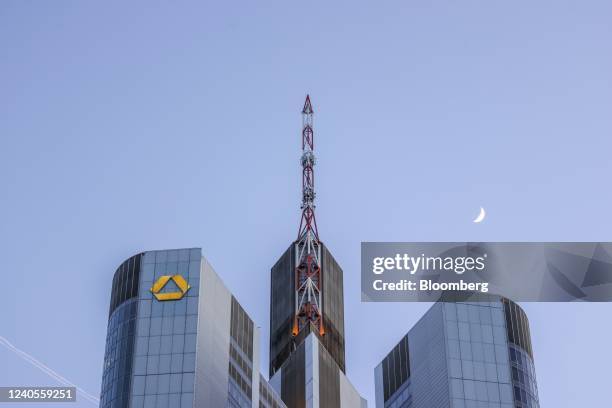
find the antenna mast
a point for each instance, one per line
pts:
(308, 278)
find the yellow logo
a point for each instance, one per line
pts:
(180, 282)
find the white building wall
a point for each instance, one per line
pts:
(212, 350)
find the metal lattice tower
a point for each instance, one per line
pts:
(308, 277)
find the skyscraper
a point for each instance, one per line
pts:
(462, 355)
(177, 338)
(307, 361)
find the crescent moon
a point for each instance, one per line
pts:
(481, 216)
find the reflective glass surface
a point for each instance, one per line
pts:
(164, 354)
(118, 356)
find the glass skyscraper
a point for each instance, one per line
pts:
(462, 355)
(177, 338)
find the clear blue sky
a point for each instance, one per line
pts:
(128, 126)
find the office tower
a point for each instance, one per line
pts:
(462, 355)
(177, 338)
(307, 361)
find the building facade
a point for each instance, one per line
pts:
(308, 369)
(462, 355)
(177, 338)
(282, 308)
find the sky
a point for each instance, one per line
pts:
(133, 126)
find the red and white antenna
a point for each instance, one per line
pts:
(308, 278)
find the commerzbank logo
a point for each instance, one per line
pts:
(161, 283)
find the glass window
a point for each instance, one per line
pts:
(195, 254)
(194, 268)
(466, 350)
(501, 354)
(489, 353)
(477, 352)
(187, 400)
(468, 369)
(151, 384)
(166, 345)
(156, 322)
(169, 310)
(175, 382)
(144, 308)
(190, 342)
(462, 313)
(179, 325)
(161, 256)
(499, 335)
(142, 346)
(453, 349)
(452, 331)
(160, 269)
(167, 325)
(147, 272)
(192, 305)
(487, 334)
(450, 311)
(162, 401)
(154, 344)
(183, 255)
(491, 371)
(457, 388)
(189, 362)
(503, 373)
(174, 400)
(153, 364)
(474, 313)
(143, 327)
(137, 402)
(140, 365)
(475, 332)
(163, 384)
(191, 324)
(149, 400)
(505, 393)
(469, 389)
(481, 391)
(493, 391)
(164, 363)
(455, 368)
(479, 371)
(187, 384)
(180, 307)
(458, 403)
(178, 341)
(149, 257)
(464, 332)
(485, 315)
(176, 365)
(138, 385)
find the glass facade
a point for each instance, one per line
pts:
(268, 398)
(485, 357)
(241, 358)
(166, 332)
(396, 369)
(118, 355)
(282, 308)
(477, 347)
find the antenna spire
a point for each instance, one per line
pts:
(308, 279)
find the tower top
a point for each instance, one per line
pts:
(307, 106)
